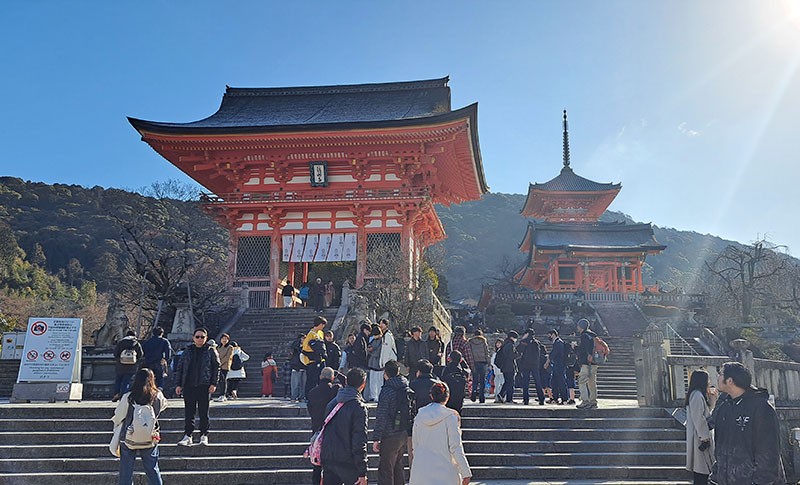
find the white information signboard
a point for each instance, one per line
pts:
(52, 351)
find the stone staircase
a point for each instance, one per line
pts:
(621, 318)
(261, 441)
(270, 329)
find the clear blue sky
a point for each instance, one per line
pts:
(693, 106)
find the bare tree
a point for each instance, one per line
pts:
(391, 289)
(167, 242)
(748, 275)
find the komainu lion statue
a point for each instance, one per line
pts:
(114, 329)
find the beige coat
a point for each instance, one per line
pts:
(697, 429)
(225, 356)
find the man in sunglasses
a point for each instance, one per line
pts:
(196, 378)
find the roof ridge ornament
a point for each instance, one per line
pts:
(566, 143)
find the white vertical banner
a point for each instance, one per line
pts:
(323, 247)
(286, 247)
(298, 247)
(337, 247)
(350, 249)
(311, 248)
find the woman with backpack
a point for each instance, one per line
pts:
(136, 430)
(236, 374)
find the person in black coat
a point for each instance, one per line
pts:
(157, 352)
(423, 383)
(333, 353)
(506, 360)
(456, 375)
(358, 355)
(746, 431)
(344, 449)
(530, 351)
(416, 350)
(126, 369)
(557, 360)
(318, 399)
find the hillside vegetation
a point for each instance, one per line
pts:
(71, 231)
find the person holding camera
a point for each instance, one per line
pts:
(699, 438)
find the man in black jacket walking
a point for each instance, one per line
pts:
(587, 377)
(318, 399)
(344, 447)
(747, 432)
(392, 429)
(196, 379)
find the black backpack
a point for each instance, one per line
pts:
(236, 362)
(457, 382)
(571, 358)
(405, 412)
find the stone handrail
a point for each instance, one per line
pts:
(712, 341)
(674, 335)
(663, 379)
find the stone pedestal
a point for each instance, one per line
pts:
(651, 369)
(182, 324)
(46, 391)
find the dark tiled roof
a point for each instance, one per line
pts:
(320, 105)
(606, 236)
(568, 181)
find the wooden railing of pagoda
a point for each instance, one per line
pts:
(241, 198)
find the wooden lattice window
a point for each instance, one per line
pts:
(252, 256)
(384, 257)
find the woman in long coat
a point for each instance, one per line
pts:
(699, 439)
(439, 457)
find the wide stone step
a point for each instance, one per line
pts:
(299, 423)
(284, 436)
(291, 477)
(250, 462)
(296, 449)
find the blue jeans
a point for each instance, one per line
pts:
(122, 384)
(479, 382)
(127, 459)
(525, 379)
(298, 384)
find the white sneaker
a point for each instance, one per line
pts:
(221, 399)
(186, 441)
(204, 440)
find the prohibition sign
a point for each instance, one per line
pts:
(33, 355)
(39, 328)
(65, 355)
(49, 355)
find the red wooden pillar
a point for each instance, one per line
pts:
(556, 279)
(579, 276)
(290, 276)
(361, 255)
(305, 272)
(233, 247)
(275, 267)
(639, 285)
